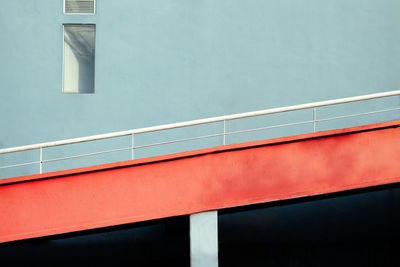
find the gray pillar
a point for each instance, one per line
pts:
(204, 239)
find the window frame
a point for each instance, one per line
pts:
(63, 58)
(94, 10)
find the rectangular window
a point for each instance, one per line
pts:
(78, 58)
(79, 6)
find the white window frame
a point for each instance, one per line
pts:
(94, 10)
(63, 59)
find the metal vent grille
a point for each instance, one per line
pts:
(79, 6)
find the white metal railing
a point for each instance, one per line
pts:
(223, 119)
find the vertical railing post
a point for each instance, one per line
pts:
(314, 118)
(133, 146)
(224, 135)
(41, 160)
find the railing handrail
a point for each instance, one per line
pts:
(200, 121)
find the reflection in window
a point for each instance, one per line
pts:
(78, 58)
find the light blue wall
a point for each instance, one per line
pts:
(163, 61)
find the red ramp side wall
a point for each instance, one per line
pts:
(201, 180)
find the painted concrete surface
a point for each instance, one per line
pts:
(159, 62)
(204, 239)
(198, 181)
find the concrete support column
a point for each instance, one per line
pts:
(204, 239)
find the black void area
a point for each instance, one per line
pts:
(153, 243)
(357, 228)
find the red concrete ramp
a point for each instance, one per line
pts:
(201, 180)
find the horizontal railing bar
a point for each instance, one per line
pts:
(355, 115)
(269, 127)
(168, 142)
(201, 121)
(180, 140)
(221, 134)
(20, 164)
(262, 128)
(201, 137)
(163, 143)
(88, 154)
